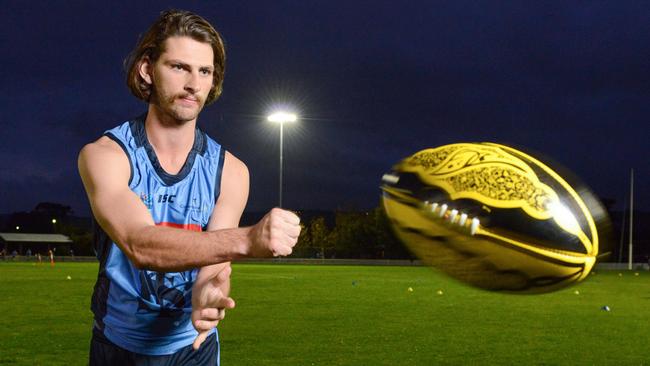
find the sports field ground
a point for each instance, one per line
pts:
(353, 315)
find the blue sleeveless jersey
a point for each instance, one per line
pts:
(144, 311)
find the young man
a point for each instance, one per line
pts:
(168, 200)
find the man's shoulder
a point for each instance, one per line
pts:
(236, 163)
(109, 142)
(211, 142)
(230, 160)
(103, 144)
(103, 162)
(233, 166)
(101, 149)
(122, 127)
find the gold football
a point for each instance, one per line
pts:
(495, 217)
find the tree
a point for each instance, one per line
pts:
(354, 235)
(387, 242)
(352, 239)
(54, 210)
(321, 238)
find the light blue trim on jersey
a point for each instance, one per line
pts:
(144, 311)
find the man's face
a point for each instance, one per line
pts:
(182, 77)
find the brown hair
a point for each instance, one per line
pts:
(151, 45)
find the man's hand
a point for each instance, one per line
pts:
(275, 235)
(209, 305)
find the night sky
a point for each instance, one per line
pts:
(372, 82)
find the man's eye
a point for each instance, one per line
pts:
(206, 72)
(177, 67)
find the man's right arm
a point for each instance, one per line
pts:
(105, 171)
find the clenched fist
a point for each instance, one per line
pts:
(275, 235)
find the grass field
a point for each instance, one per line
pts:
(353, 315)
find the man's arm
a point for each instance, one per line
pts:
(227, 210)
(210, 292)
(105, 171)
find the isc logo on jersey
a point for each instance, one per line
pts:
(165, 198)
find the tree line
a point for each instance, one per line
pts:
(341, 234)
(355, 234)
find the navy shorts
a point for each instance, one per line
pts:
(104, 352)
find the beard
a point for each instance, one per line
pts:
(178, 114)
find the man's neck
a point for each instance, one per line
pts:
(171, 140)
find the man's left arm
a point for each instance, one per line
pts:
(212, 285)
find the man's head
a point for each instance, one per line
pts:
(175, 58)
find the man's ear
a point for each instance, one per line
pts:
(145, 69)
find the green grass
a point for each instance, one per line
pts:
(353, 315)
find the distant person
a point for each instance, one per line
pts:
(71, 252)
(14, 253)
(168, 199)
(39, 257)
(50, 253)
(28, 252)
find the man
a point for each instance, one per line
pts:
(168, 200)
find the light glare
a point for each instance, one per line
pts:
(564, 218)
(282, 117)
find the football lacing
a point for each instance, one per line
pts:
(453, 217)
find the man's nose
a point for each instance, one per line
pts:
(192, 84)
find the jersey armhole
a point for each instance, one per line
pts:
(111, 136)
(217, 180)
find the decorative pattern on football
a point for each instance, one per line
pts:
(494, 217)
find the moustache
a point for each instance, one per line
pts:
(189, 96)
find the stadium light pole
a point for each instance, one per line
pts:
(281, 117)
(630, 256)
